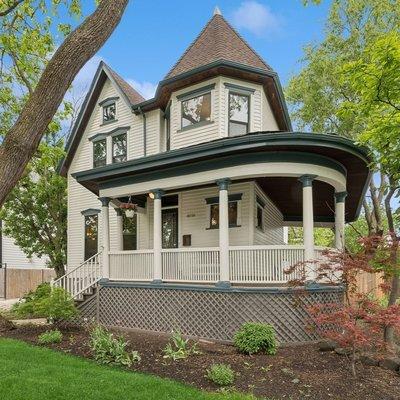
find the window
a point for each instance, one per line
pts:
(195, 110)
(99, 153)
(238, 114)
(260, 216)
(129, 232)
(91, 235)
(119, 149)
(109, 112)
(232, 214)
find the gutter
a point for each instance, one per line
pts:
(140, 111)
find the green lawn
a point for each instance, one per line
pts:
(34, 373)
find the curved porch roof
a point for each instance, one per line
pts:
(285, 156)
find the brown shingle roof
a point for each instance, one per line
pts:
(133, 96)
(217, 41)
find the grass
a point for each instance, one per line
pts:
(32, 373)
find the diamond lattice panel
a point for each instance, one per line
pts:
(209, 314)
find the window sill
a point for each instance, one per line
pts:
(217, 227)
(109, 122)
(198, 125)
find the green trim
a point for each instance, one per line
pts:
(194, 126)
(225, 146)
(223, 63)
(231, 197)
(196, 92)
(119, 212)
(158, 193)
(223, 183)
(307, 180)
(340, 197)
(235, 88)
(116, 131)
(90, 211)
(214, 288)
(108, 101)
(205, 165)
(105, 201)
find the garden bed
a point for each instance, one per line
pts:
(296, 372)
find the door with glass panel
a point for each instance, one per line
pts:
(170, 228)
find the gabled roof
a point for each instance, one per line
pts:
(130, 96)
(217, 41)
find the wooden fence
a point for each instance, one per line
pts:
(15, 282)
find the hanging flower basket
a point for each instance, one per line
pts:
(129, 209)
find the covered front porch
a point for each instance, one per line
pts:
(311, 180)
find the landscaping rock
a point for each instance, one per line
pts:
(369, 360)
(5, 325)
(326, 345)
(342, 351)
(392, 363)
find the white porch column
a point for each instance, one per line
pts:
(223, 232)
(340, 219)
(308, 216)
(105, 201)
(120, 229)
(157, 240)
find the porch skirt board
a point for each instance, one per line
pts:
(210, 314)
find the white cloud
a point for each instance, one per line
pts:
(256, 18)
(146, 89)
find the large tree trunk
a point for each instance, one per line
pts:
(23, 139)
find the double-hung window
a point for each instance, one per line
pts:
(260, 216)
(233, 211)
(239, 115)
(119, 148)
(196, 110)
(99, 153)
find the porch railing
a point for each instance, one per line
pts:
(136, 265)
(260, 264)
(248, 264)
(191, 265)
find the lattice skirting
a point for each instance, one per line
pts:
(208, 313)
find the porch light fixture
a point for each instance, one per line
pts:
(151, 195)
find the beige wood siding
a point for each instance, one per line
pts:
(268, 119)
(273, 232)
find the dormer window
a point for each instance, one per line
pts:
(99, 153)
(109, 112)
(196, 110)
(238, 114)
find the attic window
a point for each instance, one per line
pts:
(196, 110)
(109, 112)
(119, 148)
(99, 153)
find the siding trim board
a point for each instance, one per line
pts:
(239, 89)
(194, 93)
(108, 101)
(114, 132)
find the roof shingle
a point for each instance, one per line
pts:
(217, 41)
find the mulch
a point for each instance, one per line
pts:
(296, 372)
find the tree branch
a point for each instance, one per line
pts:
(22, 140)
(10, 8)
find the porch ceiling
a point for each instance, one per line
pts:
(333, 153)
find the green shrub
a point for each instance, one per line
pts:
(254, 337)
(108, 349)
(221, 374)
(178, 347)
(54, 304)
(53, 336)
(26, 306)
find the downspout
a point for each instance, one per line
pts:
(144, 130)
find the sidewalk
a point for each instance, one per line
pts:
(7, 304)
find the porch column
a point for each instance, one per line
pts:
(105, 201)
(308, 216)
(120, 229)
(223, 232)
(157, 240)
(340, 219)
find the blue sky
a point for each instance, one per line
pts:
(153, 34)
